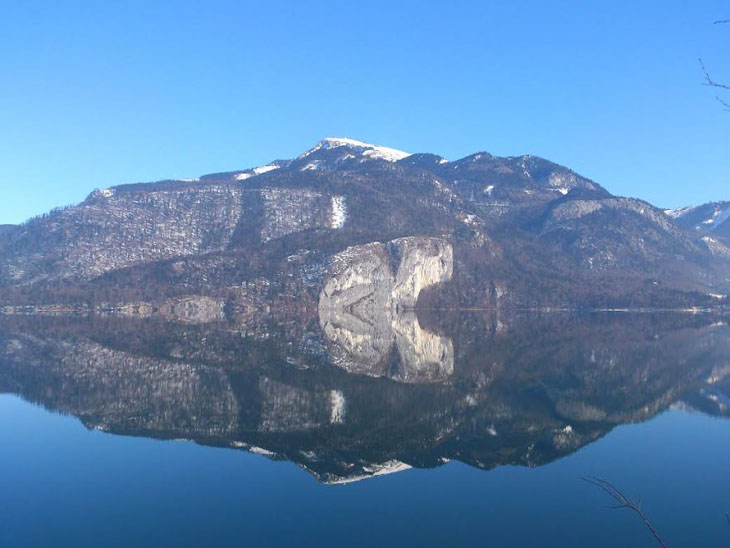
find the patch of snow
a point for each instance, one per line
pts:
(718, 217)
(679, 212)
(339, 212)
(311, 166)
(107, 192)
(265, 169)
(261, 451)
(389, 467)
(255, 171)
(366, 149)
(718, 374)
(471, 220)
(562, 182)
(489, 189)
(443, 161)
(337, 407)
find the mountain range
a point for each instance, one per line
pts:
(351, 227)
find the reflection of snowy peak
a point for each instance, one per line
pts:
(368, 472)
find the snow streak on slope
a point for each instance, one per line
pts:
(339, 212)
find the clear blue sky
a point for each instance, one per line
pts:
(94, 94)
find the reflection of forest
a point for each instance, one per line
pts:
(520, 390)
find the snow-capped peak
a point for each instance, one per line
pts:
(366, 149)
(679, 212)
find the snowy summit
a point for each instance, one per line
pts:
(366, 149)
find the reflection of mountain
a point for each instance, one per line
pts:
(520, 391)
(713, 397)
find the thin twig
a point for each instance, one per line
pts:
(708, 79)
(624, 502)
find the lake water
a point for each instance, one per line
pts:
(469, 429)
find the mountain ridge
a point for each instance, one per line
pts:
(549, 235)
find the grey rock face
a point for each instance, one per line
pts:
(287, 211)
(364, 309)
(287, 408)
(615, 233)
(113, 229)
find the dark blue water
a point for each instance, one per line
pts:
(64, 483)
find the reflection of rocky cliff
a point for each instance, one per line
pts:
(520, 391)
(364, 309)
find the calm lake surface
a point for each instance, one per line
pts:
(471, 429)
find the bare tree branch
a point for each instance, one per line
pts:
(624, 502)
(708, 79)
